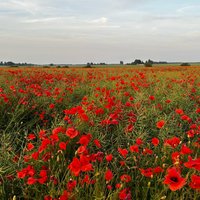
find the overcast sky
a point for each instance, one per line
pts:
(80, 31)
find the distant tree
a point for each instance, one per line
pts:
(121, 62)
(88, 64)
(9, 63)
(148, 63)
(137, 62)
(185, 64)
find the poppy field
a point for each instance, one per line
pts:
(100, 133)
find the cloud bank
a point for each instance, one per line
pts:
(68, 31)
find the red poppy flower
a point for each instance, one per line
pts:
(57, 130)
(52, 106)
(125, 178)
(62, 145)
(134, 148)
(35, 155)
(65, 195)
(195, 183)
(185, 150)
(75, 166)
(30, 146)
(198, 110)
(71, 185)
(179, 111)
(123, 152)
(82, 150)
(147, 151)
(31, 181)
(157, 170)
(31, 136)
(72, 132)
(139, 141)
(108, 175)
(22, 173)
(155, 141)
(195, 164)
(42, 180)
(85, 139)
(109, 157)
(125, 194)
(160, 124)
(173, 142)
(168, 101)
(175, 157)
(174, 180)
(152, 98)
(147, 172)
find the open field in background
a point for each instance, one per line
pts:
(102, 66)
(101, 133)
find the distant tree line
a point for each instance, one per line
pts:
(10, 63)
(139, 62)
(91, 63)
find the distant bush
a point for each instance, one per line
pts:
(148, 64)
(65, 66)
(185, 64)
(89, 65)
(46, 66)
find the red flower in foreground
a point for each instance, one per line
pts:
(123, 152)
(195, 183)
(72, 132)
(125, 194)
(108, 175)
(195, 164)
(109, 157)
(134, 148)
(125, 178)
(31, 181)
(155, 141)
(152, 98)
(174, 180)
(76, 166)
(160, 124)
(179, 111)
(139, 141)
(71, 185)
(147, 172)
(173, 142)
(62, 145)
(185, 149)
(30, 146)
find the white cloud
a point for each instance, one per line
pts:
(188, 9)
(101, 20)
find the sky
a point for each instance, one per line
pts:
(110, 31)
